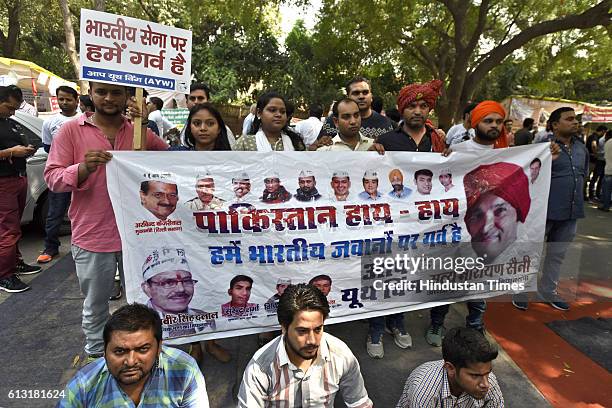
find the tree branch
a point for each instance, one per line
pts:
(482, 21)
(597, 15)
(151, 16)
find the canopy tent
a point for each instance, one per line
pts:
(38, 84)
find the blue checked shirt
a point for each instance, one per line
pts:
(175, 382)
(427, 387)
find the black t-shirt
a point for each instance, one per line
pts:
(11, 135)
(398, 140)
(522, 137)
(592, 138)
(371, 127)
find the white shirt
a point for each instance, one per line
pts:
(272, 380)
(53, 124)
(162, 123)
(456, 133)
(470, 146)
(248, 121)
(309, 129)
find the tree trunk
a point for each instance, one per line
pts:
(10, 41)
(70, 44)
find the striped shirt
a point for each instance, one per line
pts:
(175, 381)
(271, 380)
(427, 387)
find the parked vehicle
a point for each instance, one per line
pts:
(37, 206)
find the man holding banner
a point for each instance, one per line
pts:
(96, 245)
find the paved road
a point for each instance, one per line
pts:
(40, 335)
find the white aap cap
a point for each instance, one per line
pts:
(283, 281)
(370, 175)
(163, 177)
(340, 173)
(163, 260)
(306, 173)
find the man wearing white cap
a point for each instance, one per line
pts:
(446, 179)
(340, 184)
(206, 199)
(168, 283)
(308, 187)
(241, 184)
(159, 195)
(274, 192)
(281, 285)
(370, 186)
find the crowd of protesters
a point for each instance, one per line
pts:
(125, 352)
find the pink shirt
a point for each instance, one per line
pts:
(91, 213)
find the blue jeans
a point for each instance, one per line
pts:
(58, 204)
(559, 235)
(377, 325)
(474, 319)
(606, 191)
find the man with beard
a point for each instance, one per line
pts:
(137, 369)
(487, 119)
(397, 181)
(308, 187)
(159, 195)
(274, 192)
(77, 163)
(303, 367)
(463, 378)
(206, 199)
(415, 133)
(340, 184)
(68, 100)
(168, 283)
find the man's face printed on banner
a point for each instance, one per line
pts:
(240, 293)
(160, 199)
(170, 291)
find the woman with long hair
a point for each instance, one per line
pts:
(205, 130)
(270, 130)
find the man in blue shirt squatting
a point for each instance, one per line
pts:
(137, 370)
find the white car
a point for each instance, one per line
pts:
(37, 204)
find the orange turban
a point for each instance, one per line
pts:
(505, 180)
(485, 108)
(428, 92)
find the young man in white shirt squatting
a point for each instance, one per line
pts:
(304, 367)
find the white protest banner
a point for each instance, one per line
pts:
(210, 239)
(128, 51)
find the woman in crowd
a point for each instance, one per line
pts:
(270, 130)
(205, 130)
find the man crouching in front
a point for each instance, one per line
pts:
(137, 370)
(304, 367)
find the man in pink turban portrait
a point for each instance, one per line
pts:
(497, 200)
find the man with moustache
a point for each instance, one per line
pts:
(274, 192)
(206, 199)
(77, 163)
(462, 379)
(303, 367)
(137, 369)
(372, 124)
(415, 134)
(323, 283)
(397, 181)
(168, 283)
(159, 195)
(487, 119)
(565, 204)
(68, 100)
(308, 187)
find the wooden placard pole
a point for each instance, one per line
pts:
(139, 137)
